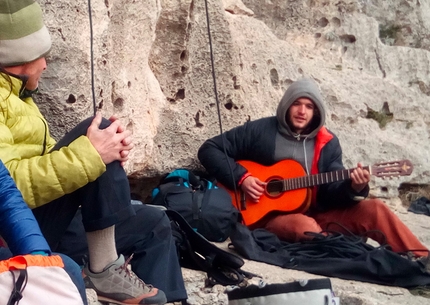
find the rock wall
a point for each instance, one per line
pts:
(153, 68)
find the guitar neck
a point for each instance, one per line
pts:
(317, 179)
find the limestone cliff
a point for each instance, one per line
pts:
(152, 67)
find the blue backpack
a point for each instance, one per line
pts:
(207, 208)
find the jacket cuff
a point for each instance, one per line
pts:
(358, 196)
(84, 150)
(243, 178)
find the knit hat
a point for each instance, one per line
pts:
(23, 36)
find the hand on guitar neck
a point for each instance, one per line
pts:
(360, 178)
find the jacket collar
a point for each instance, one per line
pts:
(322, 138)
(18, 83)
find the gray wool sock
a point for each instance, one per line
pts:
(101, 248)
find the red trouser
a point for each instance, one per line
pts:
(367, 215)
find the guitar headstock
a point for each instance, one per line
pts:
(392, 169)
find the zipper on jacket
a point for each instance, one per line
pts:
(44, 137)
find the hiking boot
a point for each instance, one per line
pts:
(117, 284)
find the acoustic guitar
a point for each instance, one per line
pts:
(287, 187)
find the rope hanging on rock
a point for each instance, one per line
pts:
(92, 57)
(216, 97)
(213, 66)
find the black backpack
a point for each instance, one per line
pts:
(206, 207)
(197, 253)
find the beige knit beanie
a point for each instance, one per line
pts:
(23, 36)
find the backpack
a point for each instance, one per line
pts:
(197, 253)
(206, 207)
(36, 279)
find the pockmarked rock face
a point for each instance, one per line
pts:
(155, 66)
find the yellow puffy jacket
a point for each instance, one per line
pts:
(25, 145)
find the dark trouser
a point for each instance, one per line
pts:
(147, 235)
(104, 202)
(69, 266)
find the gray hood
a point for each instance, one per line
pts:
(307, 88)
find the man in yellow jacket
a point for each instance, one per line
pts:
(83, 169)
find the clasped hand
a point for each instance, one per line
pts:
(112, 143)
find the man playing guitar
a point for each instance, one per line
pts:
(296, 135)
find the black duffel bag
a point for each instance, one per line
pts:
(206, 207)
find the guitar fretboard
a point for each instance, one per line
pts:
(276, 186)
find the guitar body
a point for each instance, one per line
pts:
(293, 201)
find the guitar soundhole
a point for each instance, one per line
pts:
(274, 188)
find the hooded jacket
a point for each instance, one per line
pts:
(25, 145)
(257, 141)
